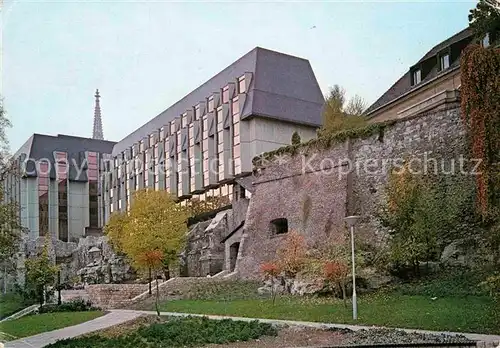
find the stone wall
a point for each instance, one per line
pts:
(205, 253)
(109, 296)
(315, 189)
(91, 260)
(113, 295)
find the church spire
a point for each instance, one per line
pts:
(97, 132)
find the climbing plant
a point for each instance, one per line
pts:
(480, 93)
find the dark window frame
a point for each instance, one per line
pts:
(414, 81)
(279, 226)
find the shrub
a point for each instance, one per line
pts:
(184, 332)
(295, 138)
(292, 254)
(270, 271)
(492, 285)
(336, 273)
(77, 305)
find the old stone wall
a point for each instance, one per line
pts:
(315, 189)
(113, 295)
(109, 296)
(90, 261)
(205, 253)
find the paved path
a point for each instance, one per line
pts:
(120, 316)
(471, 336)
(43, 339)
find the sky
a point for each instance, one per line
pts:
(146, 55)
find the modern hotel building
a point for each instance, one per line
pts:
(202, 143)
(55, 183)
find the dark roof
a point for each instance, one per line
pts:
(233, 232)
(40, 146)
(461, 35)
(283, 87)
(246, 182)
(403, 85)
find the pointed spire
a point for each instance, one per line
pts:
(97, 132)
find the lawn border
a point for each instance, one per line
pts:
(480, 338)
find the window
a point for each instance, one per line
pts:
(211, 104)
(417, 76)
(225, 94)
(485, 42)
(444, 61)
(279, 226)
(235, 106)
(184, 120)
(197, 112)
(241, 84)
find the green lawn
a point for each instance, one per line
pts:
(462, 314)
(38, 323)
(9, 304)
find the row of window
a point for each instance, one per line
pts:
(444, 61)
(192, 161)
(197, 114)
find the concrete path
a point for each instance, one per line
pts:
(471, 336)
(43, 339)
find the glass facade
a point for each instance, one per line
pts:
(43, 198)
(198, 154)
(92, 173)
(62, 195)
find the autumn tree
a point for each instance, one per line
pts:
(41, 273)
(115, 228)
(340, 114)
(292, 255)
(197, 207)
(270, 271)
(153, 233)
(335, 272)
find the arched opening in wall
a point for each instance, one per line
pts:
(233, 255)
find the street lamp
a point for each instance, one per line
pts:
(351, 221)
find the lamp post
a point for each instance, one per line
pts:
(351, 221)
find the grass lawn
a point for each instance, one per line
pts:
(9, 304)
(38, 323)
(462, 314)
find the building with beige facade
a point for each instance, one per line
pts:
(202, 143)
(430, 84)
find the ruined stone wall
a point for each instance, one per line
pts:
(205, 253)
(315, 190)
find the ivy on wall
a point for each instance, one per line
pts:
(480, 103)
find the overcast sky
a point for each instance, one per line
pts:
(145, 55)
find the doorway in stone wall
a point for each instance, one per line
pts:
(233, 255)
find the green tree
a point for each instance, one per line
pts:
(10, 229)
(296, 138)
(41, 273)
(339, 115)
(153, 233)
(485, 17)
(114, 229)
(423, 214)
